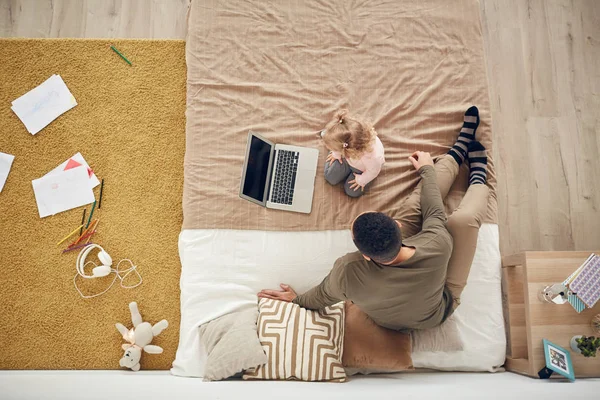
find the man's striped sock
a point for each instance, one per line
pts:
(467, 134)
(477, 163)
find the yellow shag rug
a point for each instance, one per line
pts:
(129, 125)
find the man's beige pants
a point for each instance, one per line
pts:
(463, 224)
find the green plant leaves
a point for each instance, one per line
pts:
(588, 345)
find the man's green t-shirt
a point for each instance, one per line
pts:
(405, 296)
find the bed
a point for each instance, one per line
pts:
(281, 69)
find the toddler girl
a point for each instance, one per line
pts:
(356, 155)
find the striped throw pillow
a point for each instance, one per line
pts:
(300, 344)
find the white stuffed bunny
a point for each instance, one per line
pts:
(139, 338)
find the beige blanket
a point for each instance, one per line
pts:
(282, 68)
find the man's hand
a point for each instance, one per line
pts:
(420, 159)
(285, 294)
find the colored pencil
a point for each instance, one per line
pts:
(93, 229)
(82, 235)
(91, 214)
(88, 235)
(82, 222)
(101, 189)
(88, 230)
(70, 234)
(121, 55)
(75, 248)
(85, 236)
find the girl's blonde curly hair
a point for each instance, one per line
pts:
(348, 136)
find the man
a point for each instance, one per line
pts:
(409, 274)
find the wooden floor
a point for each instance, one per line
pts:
(164, 19)
(543, 63)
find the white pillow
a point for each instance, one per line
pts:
(223, 270)
(232, 345)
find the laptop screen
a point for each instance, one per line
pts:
(257, 169)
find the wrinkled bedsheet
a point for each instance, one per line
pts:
(281, 68)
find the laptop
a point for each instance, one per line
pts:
(279, 176)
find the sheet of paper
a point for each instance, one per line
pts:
(587, 284)
(5, 164)
(578, 270)
(43, 104)
(74, 162)
(62, 191)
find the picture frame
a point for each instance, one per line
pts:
(558, 359)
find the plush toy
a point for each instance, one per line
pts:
(139, 338)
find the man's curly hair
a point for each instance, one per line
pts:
(377, 236)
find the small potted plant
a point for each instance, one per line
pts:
(585, 345)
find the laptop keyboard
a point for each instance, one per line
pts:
(285, 177)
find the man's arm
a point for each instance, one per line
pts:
(432, 207)
(331, 291)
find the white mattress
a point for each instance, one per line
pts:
(223, 270)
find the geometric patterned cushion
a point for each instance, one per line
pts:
(300, 344)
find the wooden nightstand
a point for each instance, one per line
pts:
(529, 319)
